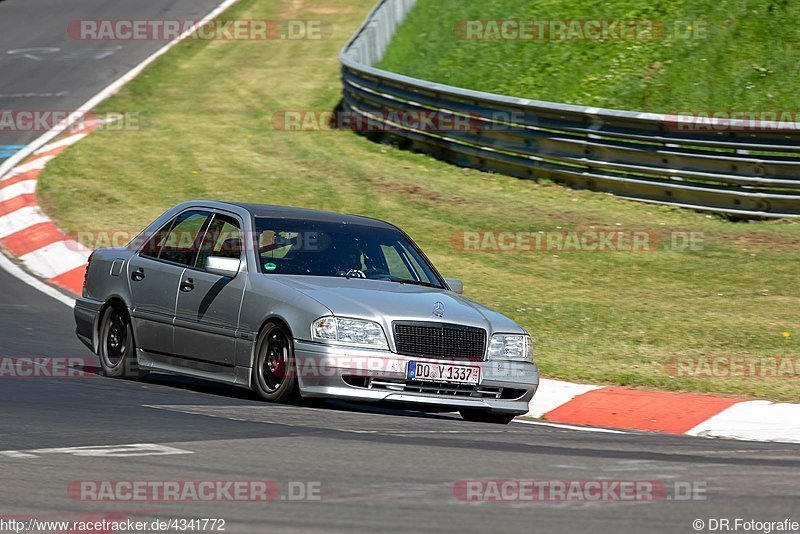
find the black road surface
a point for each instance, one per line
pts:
(376, 470)
(364, 468)
(43, 69)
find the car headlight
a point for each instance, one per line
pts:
(356, 332)
(510, 347)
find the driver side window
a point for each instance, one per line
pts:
(180, 243)
(223, 238)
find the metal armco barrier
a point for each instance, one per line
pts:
(647, 157)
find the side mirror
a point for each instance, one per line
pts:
(223, 266)
(456, 286)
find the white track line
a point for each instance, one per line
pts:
(34, 165)
(14, 270)
(570, 427)
(67, 141)
(105, 93)
(60, 128)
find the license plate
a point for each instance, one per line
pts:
(443, 372)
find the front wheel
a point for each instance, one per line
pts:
(481, 416)
(117, 350)
(273, 372)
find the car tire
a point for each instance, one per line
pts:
(274, 376)
(482, 416)
(117, 349)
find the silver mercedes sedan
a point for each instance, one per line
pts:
(289, 301)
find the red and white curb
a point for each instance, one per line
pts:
(660, 411)
(30, 235)
(25, 230)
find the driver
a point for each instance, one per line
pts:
(347, 260)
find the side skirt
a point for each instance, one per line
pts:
(233, 375)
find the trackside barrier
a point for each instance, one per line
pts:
(716, 165)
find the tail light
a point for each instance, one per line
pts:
(86, 273)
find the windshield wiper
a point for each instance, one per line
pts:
(411, 282)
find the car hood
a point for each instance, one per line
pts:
(384, 302)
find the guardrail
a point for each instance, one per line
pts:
(647, 157)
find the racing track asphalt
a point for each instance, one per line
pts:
(43, 69)
(379, 469)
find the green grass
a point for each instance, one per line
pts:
(746, 59)
(598, 317)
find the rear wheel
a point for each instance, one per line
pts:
(274, 377)
(117, 350)
(481, 416)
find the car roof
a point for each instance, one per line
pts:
(288, 212)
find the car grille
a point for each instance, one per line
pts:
(439, 340)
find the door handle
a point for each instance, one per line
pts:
(137, 275)
(187, 285)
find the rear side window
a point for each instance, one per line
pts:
(179, 245)
(223, 238)
(152, 247)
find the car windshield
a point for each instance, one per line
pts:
(294, 246)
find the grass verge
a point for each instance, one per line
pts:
(716, 55)
(606, 317)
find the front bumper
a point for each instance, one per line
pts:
(370, 375)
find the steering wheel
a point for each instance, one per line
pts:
(352, 273)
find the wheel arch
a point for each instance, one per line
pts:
(270, 319)
(113, 300)
(257, 346)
